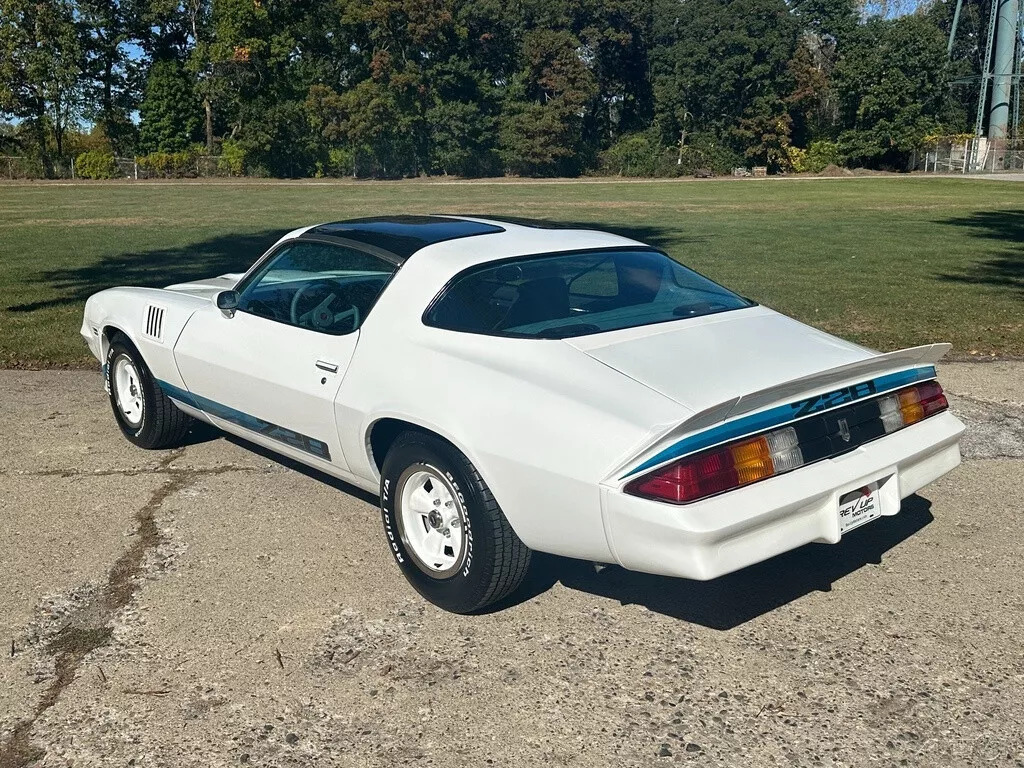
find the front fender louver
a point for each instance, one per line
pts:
(154, 322)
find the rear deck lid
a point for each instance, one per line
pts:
(703, 361)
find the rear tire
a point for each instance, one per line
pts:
(445, 529)
(146, 416)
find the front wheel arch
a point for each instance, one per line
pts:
(111, 332)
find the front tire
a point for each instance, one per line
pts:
(444, 528)
(146, 416)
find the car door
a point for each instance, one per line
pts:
(271, 370)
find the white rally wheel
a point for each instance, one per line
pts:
(431, 521)
(128, 390)
(444, 527)
(144, 413)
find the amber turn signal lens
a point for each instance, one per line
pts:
(910, 405)
(752, 460)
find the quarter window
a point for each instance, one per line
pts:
(577, 293)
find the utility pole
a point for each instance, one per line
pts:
(1002, 79)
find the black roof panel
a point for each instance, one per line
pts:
(523, 221)
(404, 235)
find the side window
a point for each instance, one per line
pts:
(318, 286)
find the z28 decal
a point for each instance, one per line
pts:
(832, 399)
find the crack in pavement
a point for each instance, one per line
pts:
(88, 628)
(160, 469)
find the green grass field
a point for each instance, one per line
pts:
(888, 262)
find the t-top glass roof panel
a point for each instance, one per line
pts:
(404, 235)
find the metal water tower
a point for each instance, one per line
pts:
(1001, 69)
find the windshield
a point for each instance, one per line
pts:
(577, 293)
(315, 285)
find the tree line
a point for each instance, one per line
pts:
(394, 88)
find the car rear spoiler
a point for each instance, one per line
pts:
(917, 363)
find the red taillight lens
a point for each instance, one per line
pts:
(712, 473)
(932, 398)
(670, 484)
(709, 473)
(751, 459)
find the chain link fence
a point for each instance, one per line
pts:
(970, 155)
(171, 166)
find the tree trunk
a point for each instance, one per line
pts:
(39, 130)
(208, 108)
(58, 124)
(107, 108)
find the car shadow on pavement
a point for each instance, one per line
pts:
(723, 603)
(201, 432)
(738, 597)
(284, 461)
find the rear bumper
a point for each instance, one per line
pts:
(722, 534)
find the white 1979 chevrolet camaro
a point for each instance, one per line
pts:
(509, 386)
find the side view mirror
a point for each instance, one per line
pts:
(227, 302)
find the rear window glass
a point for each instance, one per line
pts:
(577, 293)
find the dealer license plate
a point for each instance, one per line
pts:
(859, 507)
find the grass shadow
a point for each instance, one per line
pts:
(659, 237)
(153, 269)
(234, 252)
(1005, 269)
(736, 598)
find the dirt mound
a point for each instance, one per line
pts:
(834, 170)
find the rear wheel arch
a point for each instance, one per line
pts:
(383, 433)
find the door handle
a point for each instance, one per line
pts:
(323, 365)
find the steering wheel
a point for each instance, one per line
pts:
(322, 317)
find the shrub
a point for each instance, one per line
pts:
(797, 159)
(259, 171)
(705, 151)
(168, 164)
(635, 154)
(340, 162)
(822, 154)
(232, 158)
(96, 164)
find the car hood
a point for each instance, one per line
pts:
(207, 288)
(703, 361)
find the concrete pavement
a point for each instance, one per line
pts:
(214, 606)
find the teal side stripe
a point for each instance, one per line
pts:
(782, 414)
(284, 435)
